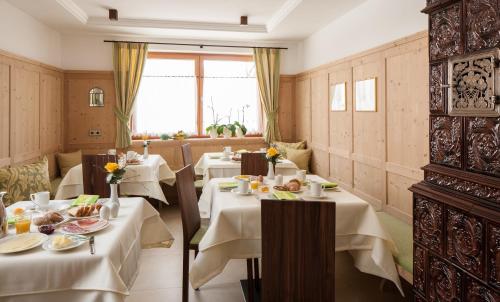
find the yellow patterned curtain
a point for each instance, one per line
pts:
(128, 63)
(267, 65)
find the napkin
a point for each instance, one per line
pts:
(85, 200)
(284, 195)
(329, 185)
(226, 186)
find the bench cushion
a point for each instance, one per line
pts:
(54, 185)
(19, 182)
(198, 235)
(402, 235)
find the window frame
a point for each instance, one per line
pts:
(199, 58)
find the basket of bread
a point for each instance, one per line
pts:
(291, 186)
(85, 210)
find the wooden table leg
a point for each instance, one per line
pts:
(250, 280)
(256, 272)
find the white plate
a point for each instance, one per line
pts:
(244, 194)
(225, 158)
(77, 241)
(85, 230)
(35, 240)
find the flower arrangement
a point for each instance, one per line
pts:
(146, 143)
(115, 173)
(272, 155)
(180, 135)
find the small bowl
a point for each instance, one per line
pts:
(46, 229)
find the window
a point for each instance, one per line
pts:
(190, 92)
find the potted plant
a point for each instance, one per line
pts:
(165, 137)
(240, 130)
(213, 129)
(227, 130)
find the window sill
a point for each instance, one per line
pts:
(247, 140)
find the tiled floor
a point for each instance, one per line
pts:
(160, 276)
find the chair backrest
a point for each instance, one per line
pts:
(188, 202)
(254, 164)
(94, 175)
(298, 251)
(187, 157)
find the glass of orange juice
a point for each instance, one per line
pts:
(254, 184)
(22, 223)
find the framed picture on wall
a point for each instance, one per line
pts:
(338, 97)
(366, 95)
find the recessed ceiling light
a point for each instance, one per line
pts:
(113, 14)
(244, 20)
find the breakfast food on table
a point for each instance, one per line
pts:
(84, 200)
(21, 242)
(61, 241)
(292, 186)
(46, 229)
(23, 224)
(18, 211)
(85, 211)
(84, 226)
(48, 218)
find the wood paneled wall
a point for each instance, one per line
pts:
(30, 111)
(376, 155)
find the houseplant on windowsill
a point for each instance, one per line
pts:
(240, 130)
(227, 130)
(212, 130)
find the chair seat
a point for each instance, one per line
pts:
(198, 184)
(402, 235)
(193, 244)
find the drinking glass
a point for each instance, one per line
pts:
(23, 223)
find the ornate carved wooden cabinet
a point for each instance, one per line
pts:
(456, 209)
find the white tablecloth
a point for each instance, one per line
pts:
(140, 180)
(217, 168)
(235, 233)
(76, 275)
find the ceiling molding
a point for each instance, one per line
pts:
(165, 24)
(74, 10)
(282, 13)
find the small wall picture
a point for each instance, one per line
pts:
(366, 95)
(338, 97)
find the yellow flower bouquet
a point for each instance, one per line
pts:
(115, 172)
(272, 155)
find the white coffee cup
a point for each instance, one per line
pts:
(41, 199)
(315, 189)
(227, 149)
(244, 186)
(301, 175)
(278, 180)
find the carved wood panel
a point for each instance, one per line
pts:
(494, 255)
(428, 223)
(482, 21)
(483, 145)
(476, 292)
(438, 94)
(444, 281)
(465, 241)
(445, 37)
(446, 140)
(419, 269)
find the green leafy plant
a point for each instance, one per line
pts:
(231, 127)
(165, 137)
(241, 126)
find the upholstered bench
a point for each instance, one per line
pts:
(402, 234)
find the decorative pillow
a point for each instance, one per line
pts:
(282, 146)
(66, 161)
(20, 182)
(299, 157)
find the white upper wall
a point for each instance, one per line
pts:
(89, 52)
(23, 35)
(373, 23)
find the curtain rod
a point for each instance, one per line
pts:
(198, 45)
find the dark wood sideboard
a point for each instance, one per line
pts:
(456, 209)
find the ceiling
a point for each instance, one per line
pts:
(269, 20)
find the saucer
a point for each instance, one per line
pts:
(322, 196)
(238, 192)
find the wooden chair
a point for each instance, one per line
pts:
(298, 251)
(192, 229)
(254, 164)
(187, 159)
(94, 175)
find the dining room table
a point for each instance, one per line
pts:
(234, 231)
(77, 275)
(213, 165)
(141, 179)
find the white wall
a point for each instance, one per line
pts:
(89, 52)
(23, 35)
(371, 24)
